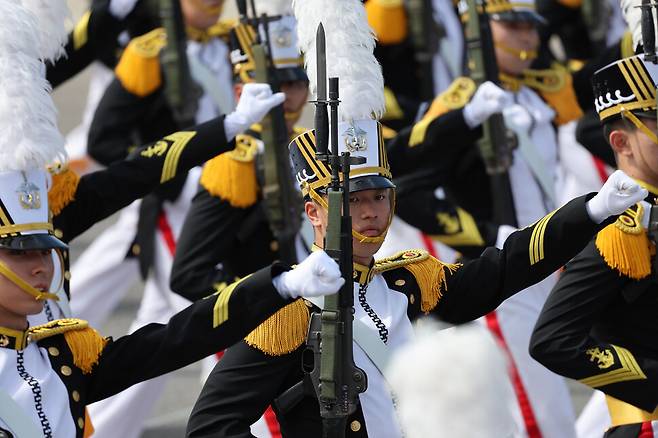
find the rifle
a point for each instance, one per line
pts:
(425, 35)
(282, 201)
(496, 144)
(180, 90)
(335, 378)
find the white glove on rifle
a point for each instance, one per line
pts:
(488, 99)
(617, 194)
(316, 276)
(121, 8)
(255, 102)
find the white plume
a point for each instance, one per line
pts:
(51, 17)
(452, 383)
(273, 7)
(350, 44)
(28, 118)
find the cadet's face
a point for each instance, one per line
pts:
(645, 153)
(517, 36)
(201, 14)
(296, 95)
(36, 268)
(370, 210)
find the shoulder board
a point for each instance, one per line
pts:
(556, 87)
(625, 245)
(283, 332)
(454, 97)
(430, 274)
(85, 343)
(63, 188)
(139, 66)
(231, 176)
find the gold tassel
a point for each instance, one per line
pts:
(86, 345)
(65, 184)
(388, 19)
(562, 99)
(231, 179)
(138, 69)
(431, 278)
(628, 253)
(283, 332)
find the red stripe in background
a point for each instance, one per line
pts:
(600, 168)
(429, 245)
(646, 431)
(521, 395)
(167, 234)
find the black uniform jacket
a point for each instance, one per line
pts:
(220, 241)
(246, 380)
(447, 156)
(599, 323)
(203, 328)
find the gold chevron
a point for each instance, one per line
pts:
(180, 140)
(536, 248)
(630, 370)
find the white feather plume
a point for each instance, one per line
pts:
(28, 118)
(51, 17)
(452, 383)
(18, 31)
(350, 45)
(273, 7)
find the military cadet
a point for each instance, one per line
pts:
(49, 373)
(533, 101)
(597, 325)
(389, 293)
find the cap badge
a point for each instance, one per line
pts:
(283, 37)
(355, 138)
(29, 195)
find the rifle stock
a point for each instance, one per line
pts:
(496, 143)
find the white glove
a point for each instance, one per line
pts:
(633, 17)
(255, 102)
(617, 194)
(316, 276)
(488, 99)
(517, 118)
(121, 8)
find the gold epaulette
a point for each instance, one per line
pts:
(85, 343)
(454, 97)
(392, 110)
(65, 184)
(556, 87)
(626, 45)
(625, 245)
(231, 176)
(430, 273)
(283, 332)
(139, 66)
(388, 19)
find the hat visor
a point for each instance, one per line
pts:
(370, 182)
(291, 74)
(527, 16)
(32, 242)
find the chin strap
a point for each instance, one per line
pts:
(641, 126)
(523, 55)
(358, 236)
(27, 288)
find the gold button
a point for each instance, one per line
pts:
(53, 351)
(274, 246)
(136, 249)
(59, 233)
(81, 423)
(67, 275)
(400, 282)
(75, 395)
(66, 370)
(355, 426)
(412, 298)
